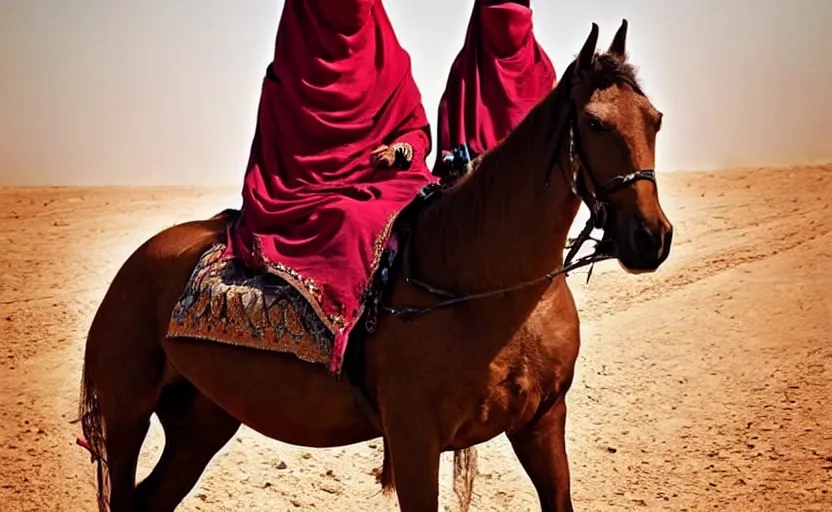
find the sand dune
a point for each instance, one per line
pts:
(702, 387)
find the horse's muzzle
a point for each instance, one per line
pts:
(642, 247)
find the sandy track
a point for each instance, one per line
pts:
(703, 387)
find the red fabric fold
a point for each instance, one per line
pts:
(314, 209)
(498, 76)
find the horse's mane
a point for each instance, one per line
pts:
(462, 206)
(608, 70)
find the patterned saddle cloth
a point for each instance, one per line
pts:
(226, 302)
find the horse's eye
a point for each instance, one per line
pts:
(596, 125)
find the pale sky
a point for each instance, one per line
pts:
(164, 92)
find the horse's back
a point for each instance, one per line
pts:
(184, 243)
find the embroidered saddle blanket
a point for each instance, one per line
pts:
(228, 303)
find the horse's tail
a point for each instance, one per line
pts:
(465, 473)
(93, 429)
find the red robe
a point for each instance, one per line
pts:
(498, 76)
(315, 212)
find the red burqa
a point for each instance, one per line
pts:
(498, 76)
(315, 211)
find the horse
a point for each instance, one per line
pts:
(476, 337)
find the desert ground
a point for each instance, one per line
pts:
(704, 386)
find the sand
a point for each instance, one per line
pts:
(704, 386)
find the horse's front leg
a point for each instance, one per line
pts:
(541, 448)
(415, 454)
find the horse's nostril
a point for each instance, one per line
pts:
(645, 242)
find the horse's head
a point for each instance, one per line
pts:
(612, 141)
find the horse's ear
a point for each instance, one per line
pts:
(618, 47)
(588, 50)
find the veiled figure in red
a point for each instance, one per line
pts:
(498, 76)
(340, 148)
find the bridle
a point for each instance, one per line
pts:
(597, 199)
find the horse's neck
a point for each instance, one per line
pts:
(501, 225)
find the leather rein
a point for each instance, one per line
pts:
(597, 200)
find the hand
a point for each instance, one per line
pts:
(383, 157)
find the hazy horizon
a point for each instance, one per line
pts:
(98, 92)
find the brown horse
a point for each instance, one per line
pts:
(448, 380)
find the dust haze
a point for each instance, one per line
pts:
(96, 92)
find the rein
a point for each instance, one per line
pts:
(409, 313)
(598, 201)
